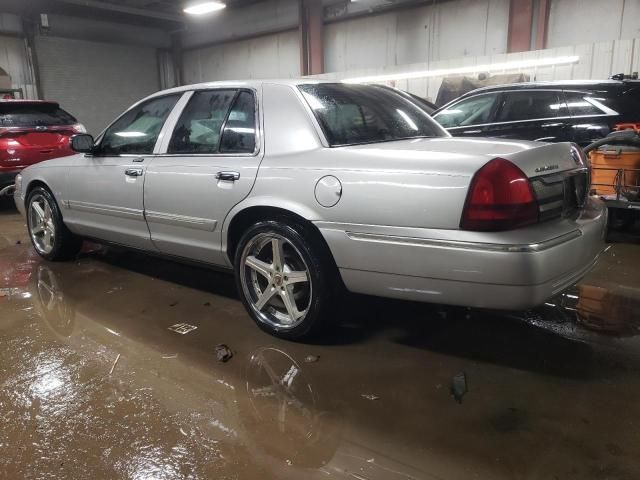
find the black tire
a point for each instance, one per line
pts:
(65, 245)
(324, 279)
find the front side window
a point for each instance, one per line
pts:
(529, 105)
(470, 111)
(200, 126)
(357, 114)
(137, 131)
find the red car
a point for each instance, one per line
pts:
(32, 131)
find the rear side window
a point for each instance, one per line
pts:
(137, 131)
(239, 135)
(358, 114)
(582, 104)
(470, 111)
(200, 126)
(529, 105)
(33, 115)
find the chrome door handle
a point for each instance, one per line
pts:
(228, 176)
(133, 172)
(472, 131)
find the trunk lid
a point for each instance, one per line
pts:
(557, 171)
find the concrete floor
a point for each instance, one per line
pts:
(95, 385)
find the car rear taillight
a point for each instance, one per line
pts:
(79, 128)
(500, 197)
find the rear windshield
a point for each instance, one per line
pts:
(33, 115)
(357, 114)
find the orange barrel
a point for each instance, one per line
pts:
(605, 163)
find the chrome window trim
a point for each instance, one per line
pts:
(464, 245)
(535, 120)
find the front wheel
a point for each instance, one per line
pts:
(49, 235)
(285, 279)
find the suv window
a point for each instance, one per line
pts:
(357, 114)
(200, 126)
(239, 134)
(138, 129)
(14, 114)
(581, 104)
(529, 105)
(470, 111)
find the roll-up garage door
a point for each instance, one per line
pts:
(95, 81)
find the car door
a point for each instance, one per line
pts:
(470, 116)
(532, 115)
(209, 164)
(105, 189)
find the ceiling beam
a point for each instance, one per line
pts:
(141, 12)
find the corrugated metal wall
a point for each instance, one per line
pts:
(95, 81)
(271, 56)
(431, 33)
(573, 22)
(597, 62)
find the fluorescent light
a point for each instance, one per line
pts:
(491, 67)
(204, 7)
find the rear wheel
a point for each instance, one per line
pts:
(49, 235)
(285, 279)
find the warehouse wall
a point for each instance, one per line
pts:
(597, 61)
(233, 24)
(15, 61)
(431, 33)
(95, 81)
(271, 56)
(573, 22)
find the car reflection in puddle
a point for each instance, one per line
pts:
(143, 401)
(259, 413)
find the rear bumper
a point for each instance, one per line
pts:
(510, 276)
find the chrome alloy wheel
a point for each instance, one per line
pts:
(41, 224)
(276, 281)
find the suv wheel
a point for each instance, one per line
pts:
(284, 280)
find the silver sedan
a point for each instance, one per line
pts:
(305, 187)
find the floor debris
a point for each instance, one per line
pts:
(458, 386)
(370, 396)
(182, 328)
(113, 367)
(223, 353)
(311, 358)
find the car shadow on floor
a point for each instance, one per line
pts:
(475, 335)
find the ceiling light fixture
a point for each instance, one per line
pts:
(204, 7)
(491, 67)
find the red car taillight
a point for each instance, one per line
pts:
(500, 198)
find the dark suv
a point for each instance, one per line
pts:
(575, 111)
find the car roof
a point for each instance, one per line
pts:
(561, 84)
(241, 84)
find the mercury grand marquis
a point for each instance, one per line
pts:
(304, 187)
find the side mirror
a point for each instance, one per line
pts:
(82, 143)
